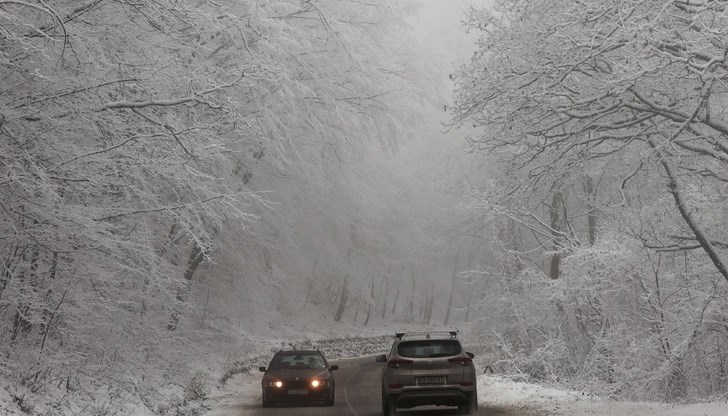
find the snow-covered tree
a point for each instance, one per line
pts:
(608, 120)
(141, 142)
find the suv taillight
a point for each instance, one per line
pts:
(398, 362)
(464, 361)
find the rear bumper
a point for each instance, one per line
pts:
(453, 397)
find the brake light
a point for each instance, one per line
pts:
(464, 361)
(398, 362)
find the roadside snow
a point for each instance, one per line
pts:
(237, 391)
(639, 409)
(502, 391)
(8, 406)
(242, 393)
(238, 397)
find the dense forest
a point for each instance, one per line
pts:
(173, 170)
(187, 178)
(608, 123)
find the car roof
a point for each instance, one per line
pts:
(296, 352)
(424, 335)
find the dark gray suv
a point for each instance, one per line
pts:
(428, 368)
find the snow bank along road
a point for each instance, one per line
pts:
(357, 394)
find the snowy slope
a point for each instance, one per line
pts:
(237, 392)
(553, 401)
(242, 395)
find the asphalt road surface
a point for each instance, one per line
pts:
(358, 393)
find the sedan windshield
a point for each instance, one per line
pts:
(298, 360)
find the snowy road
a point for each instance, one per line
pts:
(358, 394)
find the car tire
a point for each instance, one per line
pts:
(470, 407)
(267, 403)
(388, 406)
(331, 401)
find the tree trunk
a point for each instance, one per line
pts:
(396, 295)
(591, 195)
(386, 295)
(687, 216)
(9, 265)
(369, 307)
(396, 299)
(469, 301)
(357, 296)
(556, 226)
(430, 306)
(194, 262)
(410, 309)
(21, 323)
(343, 299)
(452, 288)
(555, 268)
(313, 279)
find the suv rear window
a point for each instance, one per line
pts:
(429, 348)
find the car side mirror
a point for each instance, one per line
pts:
(262, 369)
(470, 354)
(333, 368)
(381, 358)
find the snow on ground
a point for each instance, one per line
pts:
(237, 392)
(242, 393)
(238, 397)
(502, 391)
(8, 406)
(639, 409)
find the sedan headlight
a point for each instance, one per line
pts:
(275, 383)
(317, 383)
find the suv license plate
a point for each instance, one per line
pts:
(430, 380)
(298, 392)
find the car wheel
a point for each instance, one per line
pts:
(471, 406)
(388, 406)
(331, 401)
(267, 403)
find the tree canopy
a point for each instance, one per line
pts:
(609, 90)
(608, 121)
(141, 141)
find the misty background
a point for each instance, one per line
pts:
(188, 184)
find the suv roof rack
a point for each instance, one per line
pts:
(426, 334)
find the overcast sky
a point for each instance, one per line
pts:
(439, 26)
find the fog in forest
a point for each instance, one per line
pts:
(188, 186)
